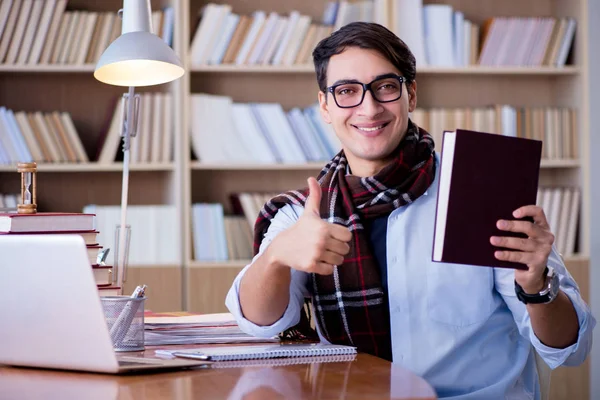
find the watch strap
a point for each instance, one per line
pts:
(545, 296)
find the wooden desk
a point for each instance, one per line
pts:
(366, 377)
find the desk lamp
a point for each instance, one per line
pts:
(136, 58)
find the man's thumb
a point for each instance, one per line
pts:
(313, 202)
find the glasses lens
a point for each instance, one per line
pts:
(387, 89)
(348, 95)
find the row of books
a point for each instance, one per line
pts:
(212, 241)
(224, 37)
(527, 41)
(41, 137)
(224, 131)
(438, 35)
(562, 206)
(218, 237)
(556, 127)
(155, 136)
(82, 224)
(43, 32)
(155, 238)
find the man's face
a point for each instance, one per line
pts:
(371, 131)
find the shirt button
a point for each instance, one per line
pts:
(394, 259)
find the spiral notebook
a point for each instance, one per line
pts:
(282, 361)
(228, 353)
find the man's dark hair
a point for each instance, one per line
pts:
(365, 35)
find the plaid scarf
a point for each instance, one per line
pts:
(350, 304)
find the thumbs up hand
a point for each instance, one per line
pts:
(311, 244)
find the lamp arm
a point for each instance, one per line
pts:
(129, 126)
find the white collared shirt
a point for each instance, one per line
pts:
(460, 327)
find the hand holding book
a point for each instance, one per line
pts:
(533, 250)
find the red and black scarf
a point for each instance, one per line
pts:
(349, 304)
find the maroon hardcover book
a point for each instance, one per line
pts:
(483, 177)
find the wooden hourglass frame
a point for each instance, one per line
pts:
(28, 188)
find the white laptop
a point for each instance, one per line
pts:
(50, 311)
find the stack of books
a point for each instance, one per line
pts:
(189, 328)
(45, 223)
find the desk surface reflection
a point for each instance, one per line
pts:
(364, 377)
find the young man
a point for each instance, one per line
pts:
(360, 246)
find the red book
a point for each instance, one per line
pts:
(46, 222)
(102, 274)
(88, 236)
(483, 178)
(109, 290)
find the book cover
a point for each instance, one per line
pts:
(483, 178)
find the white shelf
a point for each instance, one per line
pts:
(93, 167)
(567, 163)
(476, 70)
(307, 69)
(197, 165)
(37, 68)
(243, 263)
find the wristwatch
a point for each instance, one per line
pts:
(548, 293)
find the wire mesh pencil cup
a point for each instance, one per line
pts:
(125, 319)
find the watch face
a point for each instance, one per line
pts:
(554, 285)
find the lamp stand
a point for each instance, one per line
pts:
(129, 111)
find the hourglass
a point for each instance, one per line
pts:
(28, 187)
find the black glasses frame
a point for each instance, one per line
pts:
(365, 87)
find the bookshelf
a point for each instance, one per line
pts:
(201, 286)
(70, 186)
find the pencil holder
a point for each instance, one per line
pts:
(125, 319)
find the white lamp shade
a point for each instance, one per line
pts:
(138, 59)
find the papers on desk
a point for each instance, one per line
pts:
(188, 328)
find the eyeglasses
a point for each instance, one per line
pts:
(351, 93)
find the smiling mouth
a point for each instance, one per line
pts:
(371, 129)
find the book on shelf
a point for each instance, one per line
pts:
(512, 41)
(437, 34)
(155, 134)
(154, 234)
(41, 137)
(44, 32)
(483, 178)
(556, 127)
(219, 237)
(263, 133)
(562, 206)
